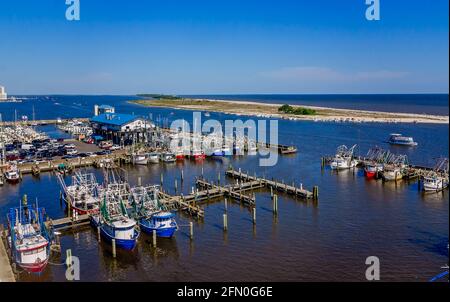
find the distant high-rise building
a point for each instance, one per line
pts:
(3, 95)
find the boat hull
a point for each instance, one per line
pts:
(12, 180)
(389, 176)
(370, 174)
(160, 232)
(35, 268)
(126, 244)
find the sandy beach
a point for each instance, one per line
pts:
(323, 114)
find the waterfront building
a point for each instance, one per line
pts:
(123, 129)
(3, 95)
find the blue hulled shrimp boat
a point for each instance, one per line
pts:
(150, 214)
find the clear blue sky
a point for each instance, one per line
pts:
(213, 47)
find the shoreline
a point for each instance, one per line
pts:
(270, 110)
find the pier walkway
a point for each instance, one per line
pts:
(273, 184)
(6, 272)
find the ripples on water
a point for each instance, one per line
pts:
(328, 241)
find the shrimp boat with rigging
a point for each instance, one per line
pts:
(373, 165)
(395, 168)
(343, 158)
(29, 240)
(150, 214)
(114, 222)
(113, 219)
(437, 180)
(83, 193)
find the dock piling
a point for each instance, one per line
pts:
(254, 215)
(225, 222)
(154, 238)
(113, 241)
(98, 234)
(316, 192)
(68, 257)
(191, 230)
(275, 204)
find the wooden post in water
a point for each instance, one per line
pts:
(182, 175)
(176, 186)
(254, 215)
(316, 192)
(154, 238)
(226, 205)
(275, 204)
(98, 234)
(225, 222)
(139, 181)
(191, 230)
(162, 179)
(69, 257)
(68, 208)
(113, 241)
(271, 191)
(218, 178)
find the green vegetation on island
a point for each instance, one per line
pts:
(159, 96)
(288, 109)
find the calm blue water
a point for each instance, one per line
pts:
(328, 241)
(410, 103)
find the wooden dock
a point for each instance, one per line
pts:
(67, 223)
(41, 122)
(6, 271)
(274, 184)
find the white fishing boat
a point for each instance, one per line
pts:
(28, 240)
(153, 157)
(394, 170)
(83, 194)
(343, 158)
(139, 159)
(12, 173)
(437, 179)
(168, 157)
(434, 183)
(399, 139)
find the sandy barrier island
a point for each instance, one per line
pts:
(322, 114)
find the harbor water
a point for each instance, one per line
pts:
(330, 240)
